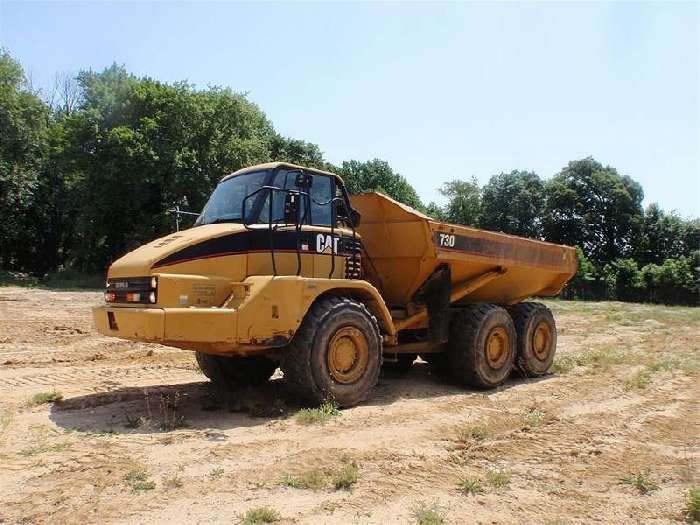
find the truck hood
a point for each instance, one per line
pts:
(140, 261)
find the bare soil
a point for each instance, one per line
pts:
(141, 437)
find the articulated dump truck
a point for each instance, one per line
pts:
(284, 269)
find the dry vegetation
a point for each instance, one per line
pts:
(100, 430)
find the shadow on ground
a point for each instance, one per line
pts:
(201, 406)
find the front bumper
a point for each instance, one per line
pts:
(172, 326)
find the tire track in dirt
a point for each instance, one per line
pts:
(85, 375)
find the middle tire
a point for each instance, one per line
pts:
(481, 348)
(336, 353)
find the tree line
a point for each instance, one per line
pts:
(89, 169)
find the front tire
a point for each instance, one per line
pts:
(336, 353)
(481, 348)
(236, 371)
(537, 338)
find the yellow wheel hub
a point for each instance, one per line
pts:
(348, 355)
(497, 347)
(542, 340)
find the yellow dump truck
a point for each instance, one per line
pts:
(284, 269)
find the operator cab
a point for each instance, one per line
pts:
(279, 194)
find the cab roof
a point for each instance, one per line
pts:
(274, 165)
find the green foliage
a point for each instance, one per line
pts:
(137, 480)
(692, 506)
(260, 515)
(377, 175)
(641, 481)
(594, 207)
(318, 415)
(513, 203)
(464, 205)
(425, 514)
(470, 486)
(43, 398)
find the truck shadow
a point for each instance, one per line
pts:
(199, 406)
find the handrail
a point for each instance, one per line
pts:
(299, 223)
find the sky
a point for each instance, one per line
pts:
(441, 91)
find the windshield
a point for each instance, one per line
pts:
(225, 202)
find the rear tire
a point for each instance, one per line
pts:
(537, 338)
(481, 348)
(336, 353)
(232, 371)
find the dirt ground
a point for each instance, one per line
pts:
(141, 437)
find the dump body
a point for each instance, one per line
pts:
(404, 248)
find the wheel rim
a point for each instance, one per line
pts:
(497, 347)
(348, 354)
(542, 340)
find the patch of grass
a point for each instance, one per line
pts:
(639, 380)
(168, 416)
(173, 482)
(18, 279)
(42, 449)
(641, 481)
(318, 415)
(6, 418)
(290, 481)
(692, 505)
(470, 486)
(216, 473)
(43, 398)
(533, 415)
(498, 478)
(71, 279)
(346, 477)
(466, 437)
(425, 514)
(137, 480)
(258, 515)
(596, 360)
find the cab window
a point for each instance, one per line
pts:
(320, 212)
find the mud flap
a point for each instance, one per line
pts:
(435, 293)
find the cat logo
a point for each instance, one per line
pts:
(326, 243)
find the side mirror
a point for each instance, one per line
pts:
(291, 208)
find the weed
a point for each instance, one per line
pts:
(169, 416)
(259, 515)
(498, 477)
(346, 477)
(6, 418)
(133, 421)
(641, 482)
(290, 481)
(318, 415)
(216, 473)
(41, 449)
(596, 360)
(640, 380)
(692, 505)
(534, 415)
(173, 482)
(137, 481)
(466, 437)
(425, 514)
(43, 398)
(470, 486)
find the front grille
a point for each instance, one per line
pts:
(132, 290)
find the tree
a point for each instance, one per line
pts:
(594, 207)
(663, 236)
(23, 127)
(513, 203)
(464, 201)
(377, 175)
